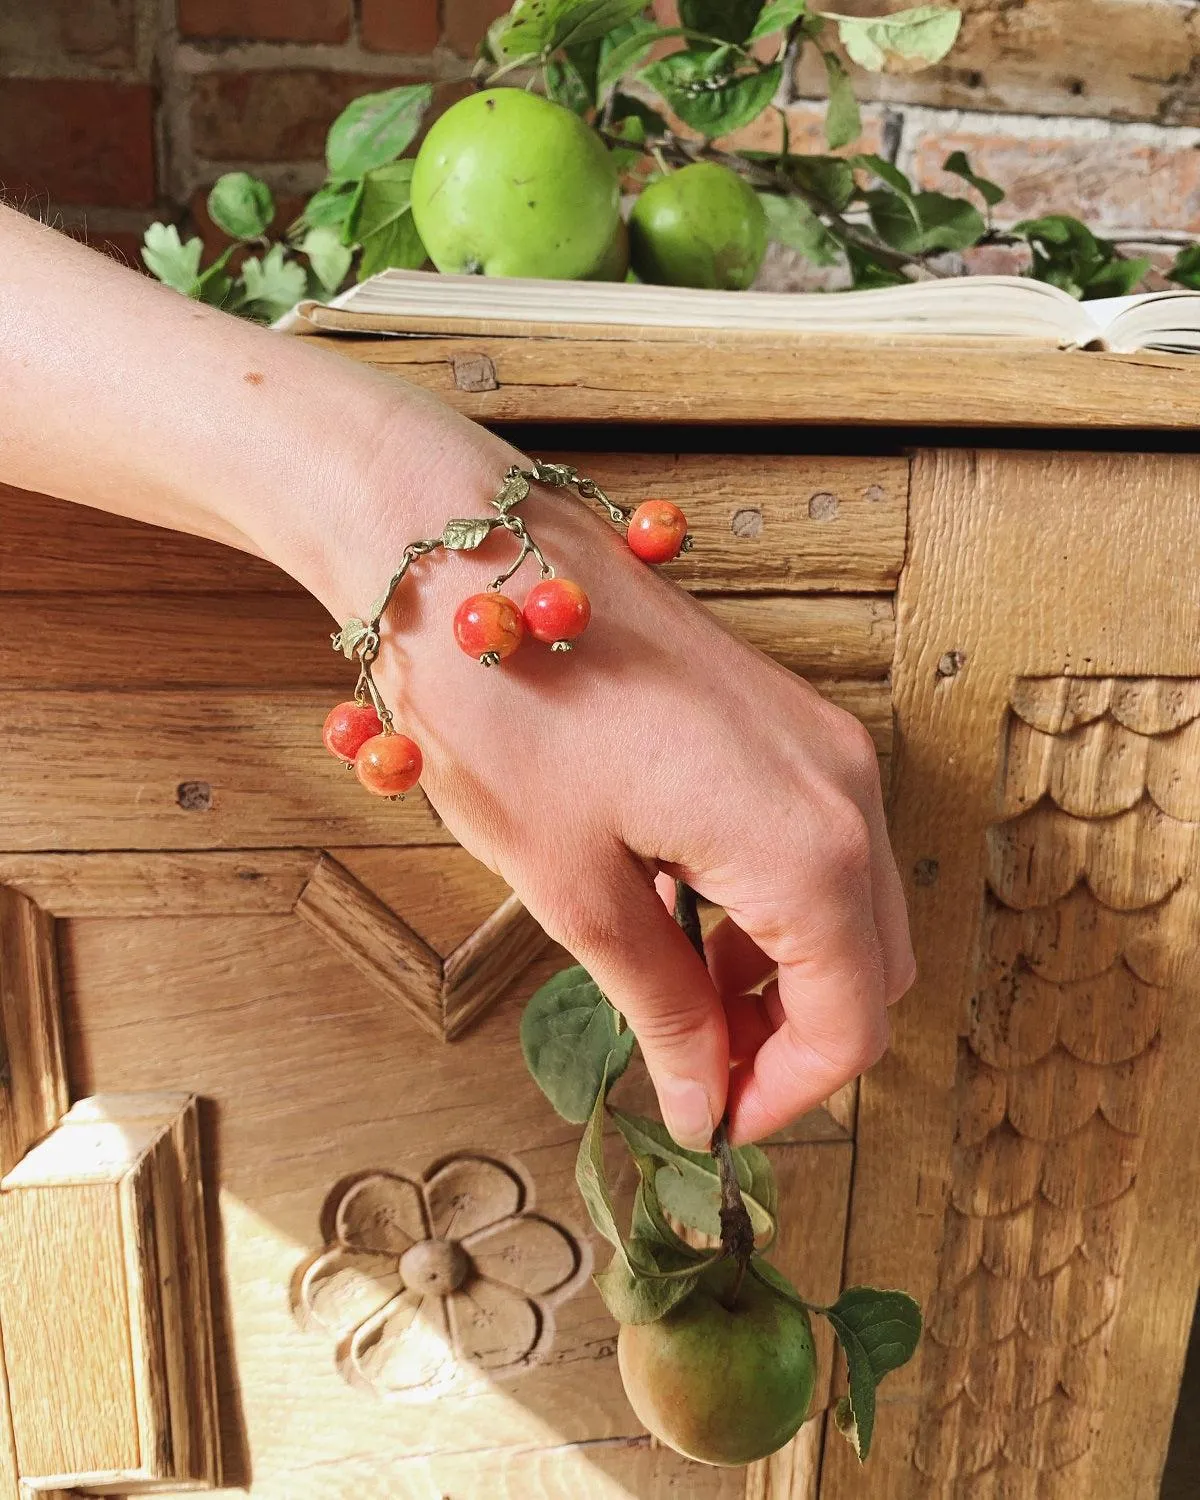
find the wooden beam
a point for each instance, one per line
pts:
(791, 379)
(488, 963)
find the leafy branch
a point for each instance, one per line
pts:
(576, 1047)
(661, 98)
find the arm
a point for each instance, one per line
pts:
(665, 746)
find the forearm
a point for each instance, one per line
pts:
(121, 394)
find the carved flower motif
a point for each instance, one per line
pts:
(430, 1286)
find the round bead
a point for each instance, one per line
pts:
(656, 531)
(488, 625)
(348, 727)
(389, 765)
(556, 610)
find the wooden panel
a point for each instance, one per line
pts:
(178, 770)
(766, 523)
(105, 770)
(105, 1299)
(281, 640)
(634, 376)
(1047, 1055)
(33, 1087)
(487, 962)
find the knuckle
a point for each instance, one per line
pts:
(866, 1045)
(847, 838)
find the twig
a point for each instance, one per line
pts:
(737, 1230)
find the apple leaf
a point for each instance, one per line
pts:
(878, 1332)
(590, 1177)
(535, 28)
(791, 222)
(688, 1182)
(727, 20)
(990, 192)
(241, 205)
(777, 15)
(903, 42)
(707, 99)
(572, 1038)
(843, 122)
(374, 129)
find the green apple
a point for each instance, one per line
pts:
(508, 183)
(724, 1386)
(700, 226)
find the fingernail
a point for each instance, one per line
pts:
(686, 1111)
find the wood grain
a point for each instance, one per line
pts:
(218, 770)
(33, 1090)
(969, 1120)
(767, 523)
(487, 963)
(792, 379)
(281, 641)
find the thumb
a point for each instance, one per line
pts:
(630, 945)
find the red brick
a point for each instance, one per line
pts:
(806, 132)
(78, 141)
(466, 22)
(266, 20)
(1109, 182)
(407, 26)
(273, 115)
(53, 32)
(122, 244)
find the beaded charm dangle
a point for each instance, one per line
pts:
(488, 626)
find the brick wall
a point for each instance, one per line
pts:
(113, 112)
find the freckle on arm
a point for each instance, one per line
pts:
(253, 377)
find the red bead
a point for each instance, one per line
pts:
(488, 625)
(556, 610)
(389, 765)
(656, 531)
(348, 727)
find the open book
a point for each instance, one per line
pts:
(399, 302)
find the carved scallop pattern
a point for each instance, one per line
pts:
(1091, 898)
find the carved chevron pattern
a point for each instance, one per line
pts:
(1092, 898)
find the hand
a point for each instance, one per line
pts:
(662, 744)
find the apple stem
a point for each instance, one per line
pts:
(737, 1231)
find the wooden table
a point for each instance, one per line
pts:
(250, 979)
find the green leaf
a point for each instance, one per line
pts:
(827, 178)
(374, 129)
(777, 15)
(1117, 277)
(776, 1280)
(709, 102)
(565, 85)
(241, 205)
(885, 171)
(688, 1184)
(925, 222)
(329, 258)
(791, 222)
(585, 59)
(843, 122)
(869, 271)
(1068, 255)
(539, 27)
(1185, 268)
(329, 208)
(632, 1296)
(728, 20)
(878, 1332)
(589, 1172)
(398, 245)
(633, 120)
(175, 263)
(625, 48)
(384, 196)
(957, 164)
(902, 42)
(570, 1035)
(273, 284)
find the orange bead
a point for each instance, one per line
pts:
(348, 727)
(389, 765)
(556, 610)
(656, 531)
(488, 626)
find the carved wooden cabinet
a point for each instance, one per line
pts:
(260, 1033)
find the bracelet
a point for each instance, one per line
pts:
(490, 625)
